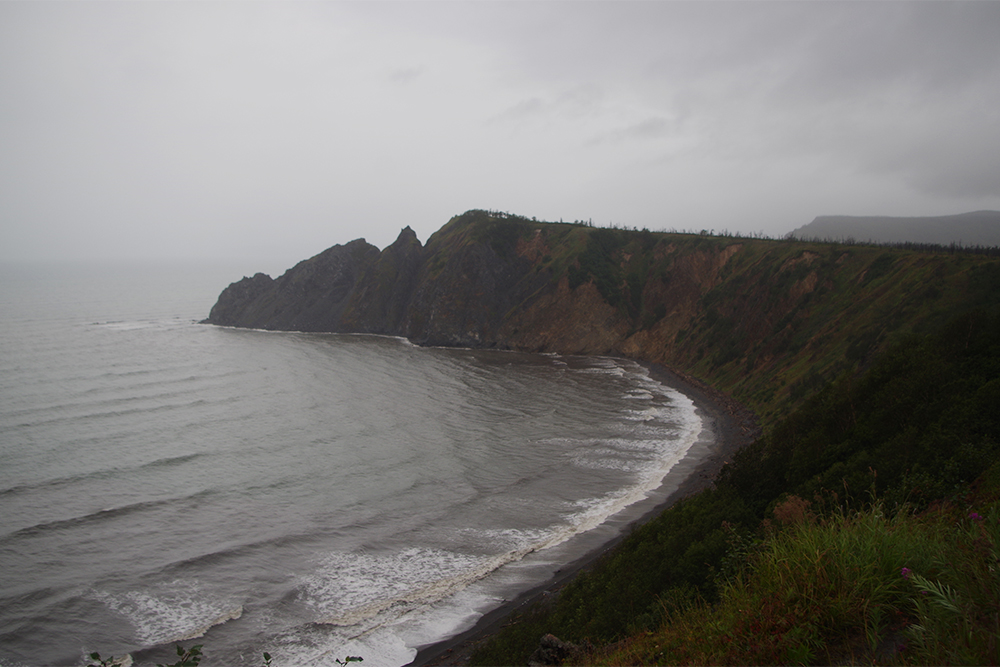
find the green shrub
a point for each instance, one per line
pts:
(844, 590)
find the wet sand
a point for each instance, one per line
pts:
(732, 426)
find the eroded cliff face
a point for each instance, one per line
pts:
(311, 296)
(380, 295)
(759, 319)
(464, 292)
(568, 321)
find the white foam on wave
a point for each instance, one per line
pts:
(349, 589)
(316, 646)
(609, 463)
(380, 606)
(678, 426)
(604, 370)
(126, 326)
(173, 612)
(639, 394)
(383, 606)
(653, 412)
(508, 539)
(6, 662)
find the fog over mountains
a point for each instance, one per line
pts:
(979, 228)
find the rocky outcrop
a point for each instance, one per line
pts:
(238, 304)
(457, 291)
(380, 300)
(311, 296)
(464, 294)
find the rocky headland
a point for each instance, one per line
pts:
(858, 360)
(765, 321)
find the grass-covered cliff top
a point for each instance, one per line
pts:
(768, 321)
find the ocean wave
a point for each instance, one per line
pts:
(111, 409)
(348, 589)
(152, 323)
(621, 465)
(604, 370)
(184, 566)
(56, 484)
(4, 662)
(172, 612)
(160, 377)
(503, 415)
(358, 590)
(103, 515)
(639, 394)
(349, 592)
(34, 597)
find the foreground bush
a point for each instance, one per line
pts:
(854, 588)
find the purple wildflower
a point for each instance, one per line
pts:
(975, 516)
(906, 572)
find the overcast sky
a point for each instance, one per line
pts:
(277, 129)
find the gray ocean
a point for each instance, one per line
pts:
(310, 495)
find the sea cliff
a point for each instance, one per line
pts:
(876, 374)
(767, 321)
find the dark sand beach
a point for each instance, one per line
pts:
(732, 426)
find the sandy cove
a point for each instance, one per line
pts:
(731, 426)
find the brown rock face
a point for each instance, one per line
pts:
(570, 321)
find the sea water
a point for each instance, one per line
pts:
(310, 495)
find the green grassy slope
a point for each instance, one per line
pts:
(767, 321)
(918, 427)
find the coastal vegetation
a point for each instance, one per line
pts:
(863, 527)
(870, 586)
(860, 526)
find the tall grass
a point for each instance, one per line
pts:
(858, 587)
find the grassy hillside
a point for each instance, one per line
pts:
(768, 321)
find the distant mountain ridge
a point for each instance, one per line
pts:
(979, 228)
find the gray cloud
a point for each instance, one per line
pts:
(520, 111)
(178, 129)
(646, 130)
(405, 75)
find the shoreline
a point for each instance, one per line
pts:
(732, 426)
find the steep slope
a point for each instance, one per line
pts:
(380, 296)
(766, 321)
(311, 296)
